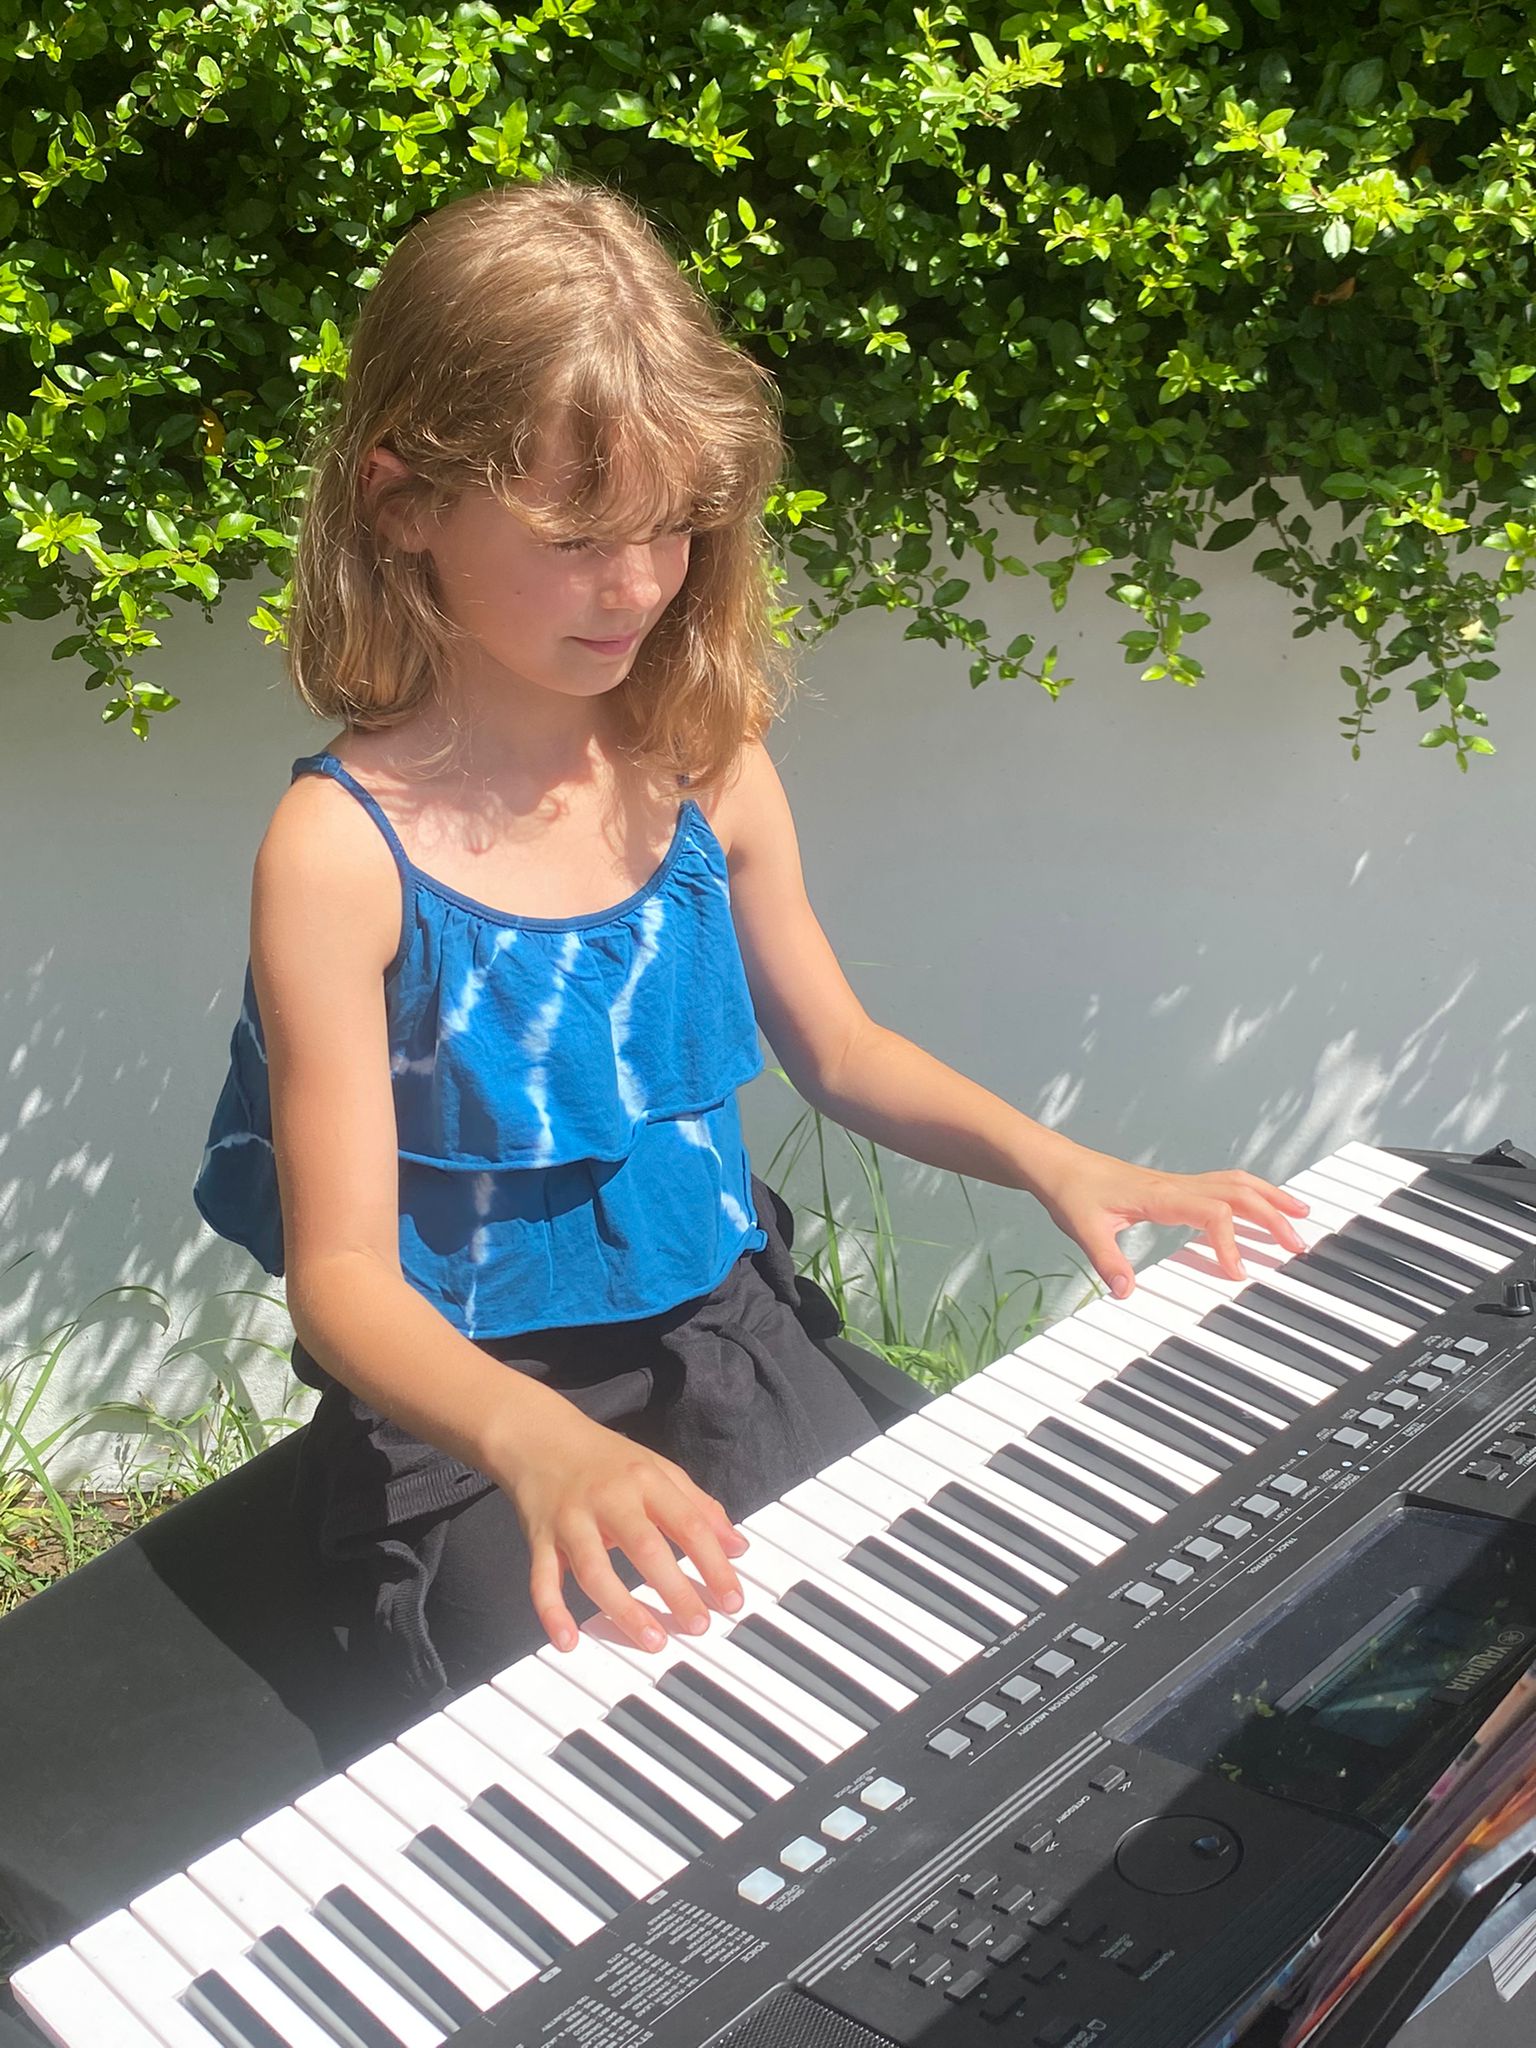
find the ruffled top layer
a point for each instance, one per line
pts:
(569, 1142)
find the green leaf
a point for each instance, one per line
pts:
(1362, 82)
(1228, 534)
(1346, 483)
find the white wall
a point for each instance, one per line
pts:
(1181, 923)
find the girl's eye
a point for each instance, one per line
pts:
(567, 546)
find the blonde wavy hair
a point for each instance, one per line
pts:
(498, 316)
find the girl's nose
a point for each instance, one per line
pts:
(632, 579)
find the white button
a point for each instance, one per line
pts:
(1472, 1347)
(842, 1824)
(881, 1794)
(801, 1854)
(759, 1886)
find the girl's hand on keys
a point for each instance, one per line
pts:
(1093, 1197)
(580, 1490)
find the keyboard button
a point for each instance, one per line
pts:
(1377, 1418)
(1143, 1595)
(1470, 1347)
(1014, 1900)
(1054, 1663)
(802, 1853)
(1400, 1398)
(1483, 1468)
(929, 1970)
(1232, 1526)
(1206, 1548)
(971, 1934)
(1020, 1690)
(980, 1886)
(1288, 1484)
(1004, 1950)
(949, 1742)
(1037, 1837)
(891, 1953)
(761, 1885)
(985, 1715)
(1088, 1638)
(936, 1918)
(1174, 1571)
(1351, 1439)
(1262, 1505)
(881, 1794)
(1426, 1382)
(842, 1824)
(964, 1984)
(1110, 1778)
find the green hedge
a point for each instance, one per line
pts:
(1146, 274)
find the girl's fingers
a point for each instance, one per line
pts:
(697, 1534)
(594, 1573)
(651, 1555)
(1213, 1219)
(544, 1586)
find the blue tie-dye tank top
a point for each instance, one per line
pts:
(565, 1098)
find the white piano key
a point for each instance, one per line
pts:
(184, 1919)
(1330, 1198)
(853, 1520)
(773, 1573)
(980, 1426)
(65, 1997)
(823, 1560)
(809, 1721)
(252, 1893)
(1181, 1304)
(890, 1497)
(517, 1744)
(1041, 1363)
(947, 1456)
(315, 1865)
(375, 1836)
(493, 1741)
(423, 1799)
(1356, 1153)
(610, 1681)
(1380, 1329)
(1161, 1461)
(144, 1976)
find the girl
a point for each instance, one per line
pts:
(504, 981)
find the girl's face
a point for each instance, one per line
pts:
(567, 616)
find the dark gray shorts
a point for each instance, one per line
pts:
(424, 1555)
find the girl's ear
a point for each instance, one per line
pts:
(383, 465)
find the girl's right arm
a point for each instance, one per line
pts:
(325, 922)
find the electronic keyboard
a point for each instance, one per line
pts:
(1058, 1714)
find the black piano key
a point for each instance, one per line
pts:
(1482, 1197)
(1116, 1467)
(880, 1560)
(1286, 1346)
(1316, 1323)
(682, 1752)
(1203, 1404)
(719, 1708)
(1423, 1283)
(999, 1524)
(1225, 1376)
(216, 2005)
(283, 1958)
(949, 1546)
(543, 1845)
(452, 1866)
(792, 1659)
(586, 1758)
(1018, 1463)
(1369, 1234)
(1124, 1404)
(1485, 1232)
(835, 1617)
(1345, 1280)
(402, 1965)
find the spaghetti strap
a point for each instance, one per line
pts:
(327, 764)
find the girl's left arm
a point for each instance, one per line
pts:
(882, 1086)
